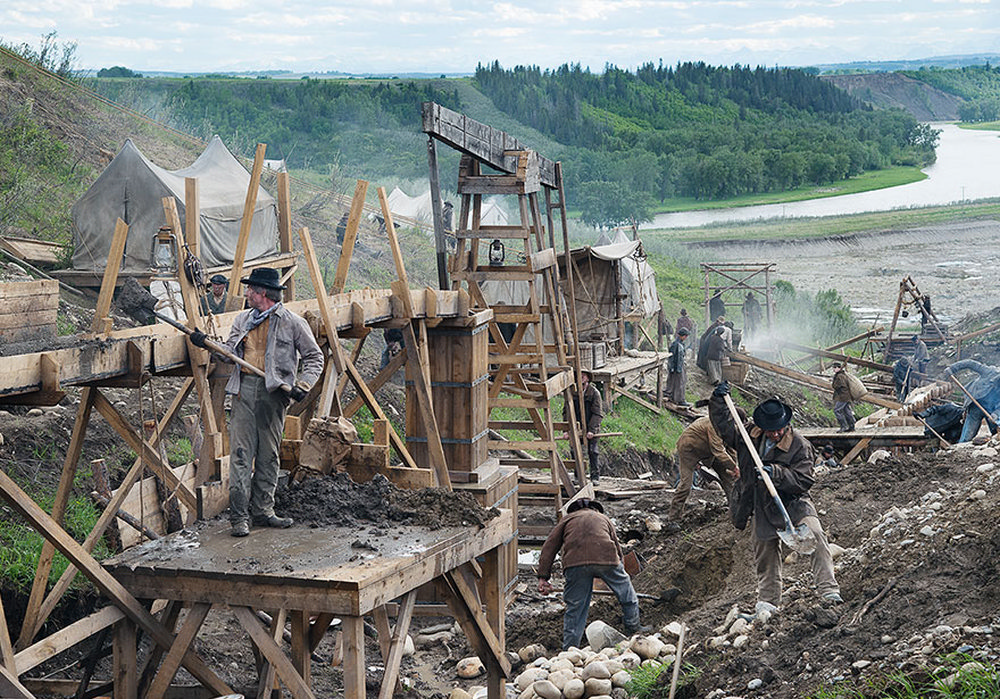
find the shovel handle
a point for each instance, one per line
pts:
(756, 459)
(218, 348)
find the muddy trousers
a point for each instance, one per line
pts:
(845, 415)
(687, 463)
(767, 553)
(592, 457)
(255, 430)
(578, 590)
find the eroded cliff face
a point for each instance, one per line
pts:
(884, 90)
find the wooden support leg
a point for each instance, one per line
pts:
(394, 653)
(354, 657)
(6, 649)
(11, 687)
(266, 685)
(301, 653)
(125, 671)
(169, 620)
(495, 612)
(172, 663)
(282, 665)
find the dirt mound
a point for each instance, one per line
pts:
(337, 500)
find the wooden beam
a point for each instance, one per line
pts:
(126, 665)
(108, 516)
(10, 687)
(329, 399)
(466, 607)
(285, 227)
(65, 638)
(369, 398)
(270, 650)
(265, 681)
(877, 366)
(422, 389)
(350, 237)
(855, 450)
(354, 657)
(172, 663)
(141, 447)
(383, 376)
(233, 300)
(809, 380)
(6, 649)
(20, 502)
(192, 216)
(636, 399)
(102, 323)
(395, 645)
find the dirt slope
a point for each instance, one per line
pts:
(885, 90)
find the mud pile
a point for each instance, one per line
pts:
(338, 501)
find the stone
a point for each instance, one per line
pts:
(739, 627)
(459, 693)
(528, 693)
(977, 494)
(532, 652)
(887, 639)
(35, 412)
(629, 660)
(672, 629)
(408, 647)
(985, 468)
(601, 635)
(668, 649)
(621, 678)
(733, 613)
(755, 683)
(878, 455)
(619, 693)
(595, 669)
(653, 523)
(927, 530)
(836, 551)
(860, 665)
(560, 677)
(467, 668)
(740, 642)
(546, 690)
(647, 646)
(529, 677)
(561, 663)
(574, 689)
(717, 641)
(422, 640)
(597, 685)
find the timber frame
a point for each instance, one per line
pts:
(132, 358)
(721, 277)
(527, 368)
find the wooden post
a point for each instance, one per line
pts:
(354, 657)
(298, 687)
(6, 649)
(234, 301)
(330, 398)
(440, 243)
(285, 227)
(172, 663)
(192, 217)
(102, 323)
(350, 237)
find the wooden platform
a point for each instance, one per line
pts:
(92, 279)
(306, 571)
(627, 372)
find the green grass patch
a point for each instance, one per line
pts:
(958, 676)
(865, 182)
(180, 451)
(829, 226)
(981, 125)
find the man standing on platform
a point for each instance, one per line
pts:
(593, 413)
(676, 372)
(274, 339)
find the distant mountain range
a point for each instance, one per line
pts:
(973, 59)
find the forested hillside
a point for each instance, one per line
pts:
(701, 131)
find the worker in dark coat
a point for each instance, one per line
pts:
(716, 307)
(676, 371)
(590, 549)
(593, 414)
(715, 351)
(684, 321)
(788, 457)
(985, 389)
(702, 357)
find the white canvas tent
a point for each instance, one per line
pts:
(132, 187)
(419, 209)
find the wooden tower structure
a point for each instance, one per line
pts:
(532, 340)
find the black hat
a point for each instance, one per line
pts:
(218, 279)
(585, 503)
(266, 277)
(683, 331)
(772, 415)
(828, 449)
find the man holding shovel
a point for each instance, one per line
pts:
(273, 339)
(773, 487)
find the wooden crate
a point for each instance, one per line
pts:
(586, 352)
(28, 310)
(600, 358)
(735, 373)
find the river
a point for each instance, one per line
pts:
(966, 170)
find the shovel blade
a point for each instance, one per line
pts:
(800, 539)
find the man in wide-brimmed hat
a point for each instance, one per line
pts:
(274, 339)
(788, 460)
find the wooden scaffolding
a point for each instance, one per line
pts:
(724, 277)
(534, 362)
(132, 358)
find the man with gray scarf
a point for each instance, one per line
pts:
(274, 339)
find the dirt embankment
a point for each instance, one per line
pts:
(886, 90)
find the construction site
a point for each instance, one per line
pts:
(410, 568)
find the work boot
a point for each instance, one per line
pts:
(273, 521)
(640, 628)
(833, 598)
(240, 528)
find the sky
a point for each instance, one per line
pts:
(452, 36)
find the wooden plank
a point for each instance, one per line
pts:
(401, 477)
(265, 682)
(141, 447)
(877, 366)
(108, 516)
(632, 397)
(182, 642)
(115, 255)
(66, 637)
(425, 404)
(6, 649)
(40, 252)
(270, 650)
(354, 657)
(470, 615)
(233, 299)
(807, 379)
(855, 450)
(47, 527)
(10, 687)
(329, 401)
(396, 644)
(350, 237)
(285, 226)
(126, 665)
(301, 653)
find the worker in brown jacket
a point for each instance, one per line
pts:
(590, 549)
(593, 414)
(700, 445)
(842, 399)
